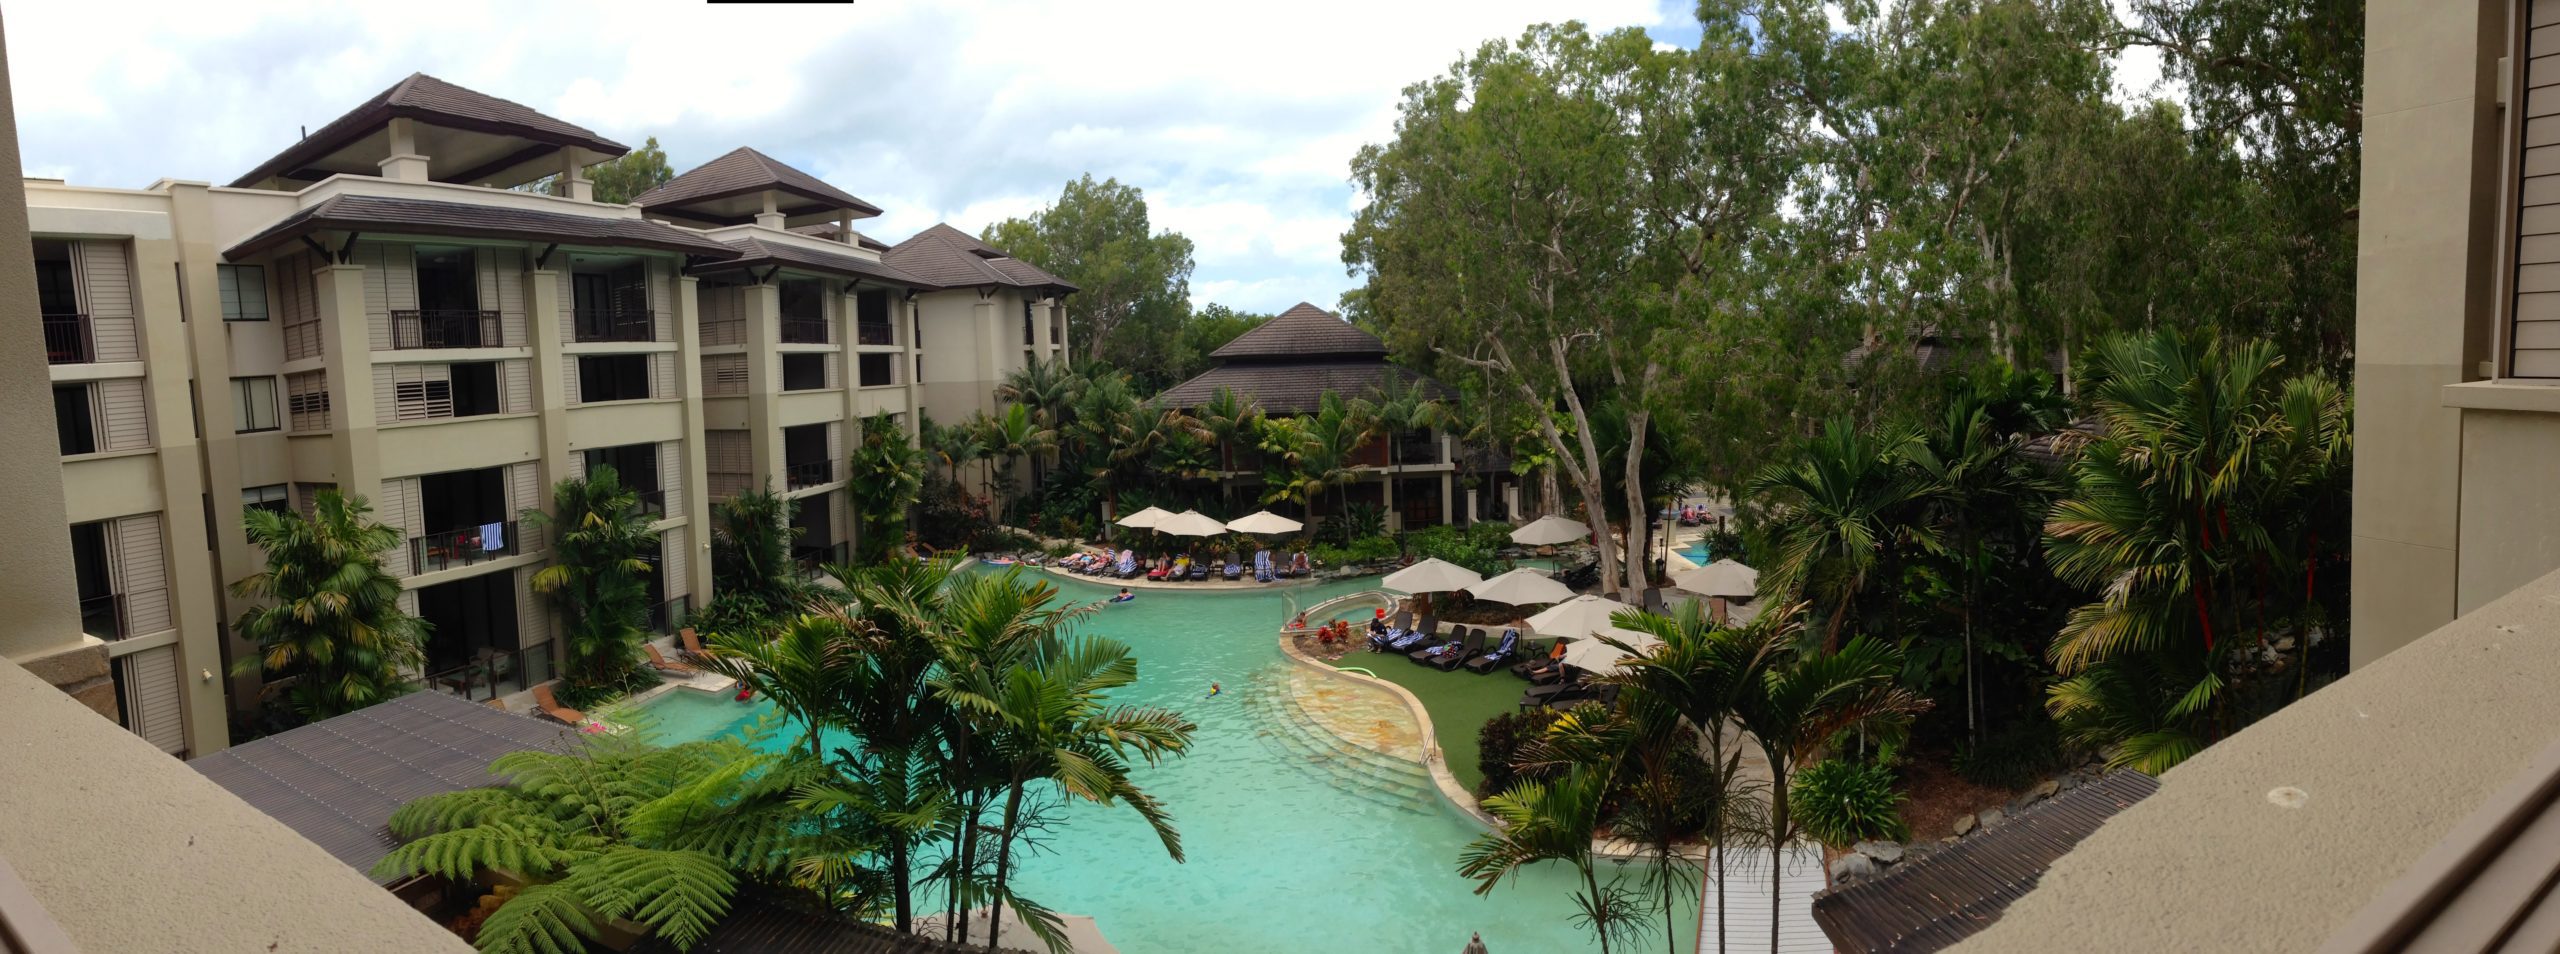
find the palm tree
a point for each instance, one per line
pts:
(1185, 452)
(1551, 821)
(800, 669)
(2184, 517)
(599, 577)
(1112, 432)
(1049, 389)
(1972, 484)
(751, 551)
(1800, 705)
(886, 477)
(1399, 408)
(1833, 507)
(1012, 434)
(1229, 418)
(331, 617)
(1316, 453)
(956, 445)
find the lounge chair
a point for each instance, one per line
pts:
(1473, 648)
(1416, 637)
(1533, 660)
(1234, 571)
(690, 646)
(1198, 571)
(1503, 652)
(1262, 571)
(1128, 564)
(662, 664)
(1160, 572)
(549, 705)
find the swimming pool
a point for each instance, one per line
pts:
(1283, 857)
(1697, 553)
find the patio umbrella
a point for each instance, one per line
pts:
(1263, 521)
(1083, 935)
(1550, 530)
(1190, 523)
(1522, 587)
(1434, 575)
(1145, 519)
(1590, 654)
(1577, 617)
(1721, 578)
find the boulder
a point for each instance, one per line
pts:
(1883, 852)
(2046, 790)
(1850, 867)
(1964, 825)
(1992, 818)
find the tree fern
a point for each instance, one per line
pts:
(463, 853)
(541, 919)
(678, 894)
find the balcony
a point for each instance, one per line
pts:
(620, 325)
(1418, 449)
(653, 503)
(69, 339)
(668, 617)
(495, 672)
(452, 328)
(875, 333)
(104, 616)
(459, 548)
(809, 474)
(804, 330)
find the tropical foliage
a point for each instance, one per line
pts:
(328, 616)
(886, 479)
(599, 580)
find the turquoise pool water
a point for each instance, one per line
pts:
(1697, 553)
(1279, 858)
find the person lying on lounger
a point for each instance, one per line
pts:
(1442, 652)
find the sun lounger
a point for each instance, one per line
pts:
(1234, 571)
(661, 663)
(1450, 661)
(549, 705)
(1503, 652)
(1198, 571)
(689, 646)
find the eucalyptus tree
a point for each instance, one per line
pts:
(328, 614)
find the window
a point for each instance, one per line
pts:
(613, 377)
(57, 293)
(271, 498)
(244, 292)
(879, 370)
(253, 404)
(75, 419)
(804, 311)
(804, 372)
(475, 388)
(307, 400)
(448, 280)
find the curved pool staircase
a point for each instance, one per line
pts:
(1283, 722)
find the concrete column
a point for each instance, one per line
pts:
(1448, 499)
(191, 219)
(1472, 507)
(42, 600)
(907, 363)
(697, 476)
(1511, 502)
(355, 450)
(771, 217)
(543, 317)
(763, 305)
(404, 163)
(988, 322)
(573, 182)
(198, 613)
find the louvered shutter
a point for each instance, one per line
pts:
(524, 492)
(662, 376)
(519, 384)
(678, 560)
(506, 275)
(397, 507)
(152, 708)
(127, 414)
(143, 574)
(662, 300)
(106, 282)
(569, 379)
(671, 476)
(533, 611)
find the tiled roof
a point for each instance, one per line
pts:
(1296, 388)
(744, 171)
(337, 781)
(1933, 902)
(760, 921)
(434, 101)
(757, 253)
(1302, 331)
(950, 258)
(368, 213)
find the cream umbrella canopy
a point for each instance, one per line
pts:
(1145, 519)
(1434, 575)
(1722, 578)
(1577, 617)
(1521, 587)
(1593, 654)
(1190, 523)
(1550, 530)
(1263, 521)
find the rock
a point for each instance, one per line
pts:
(1964, 825)
(1951, 839)
(2049, 789)
(1883, 852)
(1850, 867)
(1992, 818)
(2284, 644)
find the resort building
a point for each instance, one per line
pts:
(421, 303)
(1288, 364)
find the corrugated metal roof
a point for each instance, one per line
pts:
(757, 252)
(1297, 387)
(431, 100)
(1932, 902)
(761, 923)
(950, 258)
(371, 213)
(1303, 331)
(337, 781)
(742, 171)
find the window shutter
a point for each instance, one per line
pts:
(519, 385)
(662, 375)
(677, 559)
(397, 508)
(525, 493)
(506, 273)
(569, 378)
(662, 300)
(671, 476)
(143, 573)
(151, 702)
(533, 612)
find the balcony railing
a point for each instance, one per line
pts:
(665, 618)
(495, 672)
(630, 325)
(804, 331)
(456, 548)
(69, 339)
(1420, 450)
(875, 333)
(450, 328)
(653, 502)
(809, 474)
(103, 616)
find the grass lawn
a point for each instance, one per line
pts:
(1459, 703)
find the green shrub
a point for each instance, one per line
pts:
(1499, 742)
(1455, 546)
(947, 517)
(1059, 549)
(1362, 550)
(1355, 522)
(1491, 534)
(1840, 802)
(590, 695)
(2014, 756)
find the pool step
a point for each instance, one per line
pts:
(1285, 725)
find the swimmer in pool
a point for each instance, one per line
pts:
(1213, 690)
(1124, 596)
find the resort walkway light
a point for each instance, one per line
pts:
(1522, 587)
(1549, 531)
(1434, 575)
(1190, 523)
(1145, 519)
(1578, 617)
(1263, 521)
(1724, 578)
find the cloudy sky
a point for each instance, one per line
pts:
(1239, 120)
